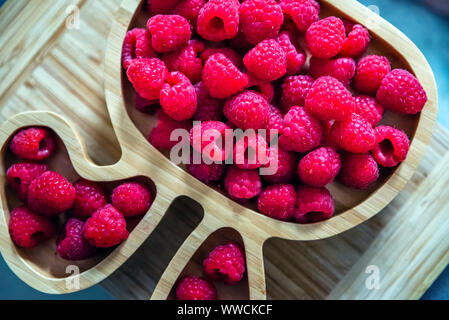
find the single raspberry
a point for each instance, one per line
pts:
(356, 42)
(161, 6)
(302, 12)
(229, 53)
(319, 167)
(266, 61)
(401, 92)
(50, 194)
(265, 88)
(178, 97)
(355, 134)
(295, 90)
(326, 37)
(71, 245)
(248, 110)
(278, 201)
(391, 147)
(28, 229)
(283, 164)
(295, 55)
(313, 204)
(275, 120)
(209, 138)
(206, 172)
(20, 175)
(342, 69)
(301, 132)
(225, 263)
(137, 44)
(33, 144)
(242, 183)
(90, 197)
(370, 72)
(260, 19)
(222, 78)
(369, 108)
(218, 20)
(208, 109)
(358, 170)
(147, 77)
(106, 228)
(328, 99)
(193, 288)
(132, 199)
(168, 32)
(251, 151)
(189, 9)
(144, 105)
(160, 135)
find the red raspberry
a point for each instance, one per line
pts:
(313, 205)
(218, 20)
(265, 88)
(20, 175)
(284, 163)
(358, 170)
(369, 108)
(295, 90)
(206, 172)
(144, 105)
(295, 55)
(33, 144)
(328, 99)
(260, 19)
(71, 245)
(137, 44)
(242, 183)
(208, 109)
(193, 288)
(226, 263)
(160, 135)
(50, 194)
(222, 78)
(342, 69)
(147, 77)
(251, 151)
(28, 229)
(178, 97)
(355, 134)
(266, 61)
(248, 110)
(276, 120)
(168, 32)
(209, 138)
(278, 201)
(326, 37)
(370, 72)
(189, 9)
(90, 197)
(132, 199)
(301, 132)
(401, 92)
(391, 147)
(106, 228)
(356, 42)
(319, 167)
(302, 12)
(229, 53)
(161, 6)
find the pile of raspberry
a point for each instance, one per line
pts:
(91, 219)
(276, 65)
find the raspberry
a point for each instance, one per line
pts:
(248, 110)
(20, 175)
(168, 32)
(137, 44)
(370, 72)
(132, 199)
(144, 105)
(106, 228)
(160, 135)
(401, 92)
(283, 162)
(295, 55)
(226, 263)
(206, 172)
(302, 12)
(356, 42)
(355, 134)
(278, 201)
(222, 78)
(50, 194)
(342, 69)
(260, 19)
(178, 97)
(90, 197)
(301, 132)
(193, 288)
(28, 229)
(190, 10)
(33, 144)
(313, 205)
(71, 245)
(358, 170)
(328, 99)
(369, 108)
(209, 138)
(391, 147)
(218, 20)
(326, 37)
(147, 77)
(161, 6)
(208, 109)
(319, 167)
(267, 61)
(251, 151)
(265, 88)
(242, 183)
(275, 120)
(295, 90)
(229, 53)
